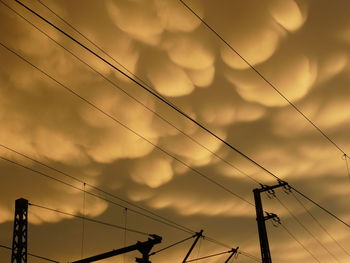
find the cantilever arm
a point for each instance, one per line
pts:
(140, 246)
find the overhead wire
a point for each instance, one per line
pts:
(320, 225)
(91, 220)
(176, 226)
(172, 245)
(173, 225)
(299, 242)
(92, 42)
(118, 122)
(249, 256)
(307, 230)
(33, 255)
(209, 239)
(124, 91)
(155, 94)
(209, 256)
(166, 222)
(99, 189)
(94, 106)
(263, 77)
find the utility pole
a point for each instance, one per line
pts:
(20, 232)
(260, 218)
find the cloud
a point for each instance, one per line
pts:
(293, 78)
(288, 14)
(152, 172)
(143, 22)
(168, 79)
(300, 46)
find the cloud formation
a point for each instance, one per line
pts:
(299, 46)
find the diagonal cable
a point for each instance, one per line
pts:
(263, 77)
(307, 230)
(155, 94)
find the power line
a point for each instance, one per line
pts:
(211, 180)
(263, 77)
(172, 245)
(249, 256)
(175, 108)
(93, 187)
(33, 255)
(307, 230)
(173, 224)
(124, 91)
(91, 220)
(320, 225)
(128, 128)
(210, 256)
(301, 244)
(177, 226)
(93, 43)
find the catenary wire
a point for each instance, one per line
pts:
(307, 230)
(128, 128)
(172, 245)
(249, 256)
(91, 219)
(33, 255)
(263, 77)
(93, 43)
(128, 94)
(184, 229)
(97, 189)
(299, 242)
(122, 125)
(95, 195)
(320, 225)
(210, 240)
(177, 109)
(209, 256)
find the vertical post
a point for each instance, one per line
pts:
(233, 252)
(198, 235)
(264, 242)
(20, 232)
(260, 218)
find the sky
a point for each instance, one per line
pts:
(66, 109)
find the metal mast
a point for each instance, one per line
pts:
(20, 232)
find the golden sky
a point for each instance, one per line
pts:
(134, 146)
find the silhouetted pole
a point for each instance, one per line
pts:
(233, 252)
(260, 218)
(20, 232)
(198, 235)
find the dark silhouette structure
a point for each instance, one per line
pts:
(143, 247)
(261, 218)
(20, 232)
(198, 235)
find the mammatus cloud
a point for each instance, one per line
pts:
(166, 46)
